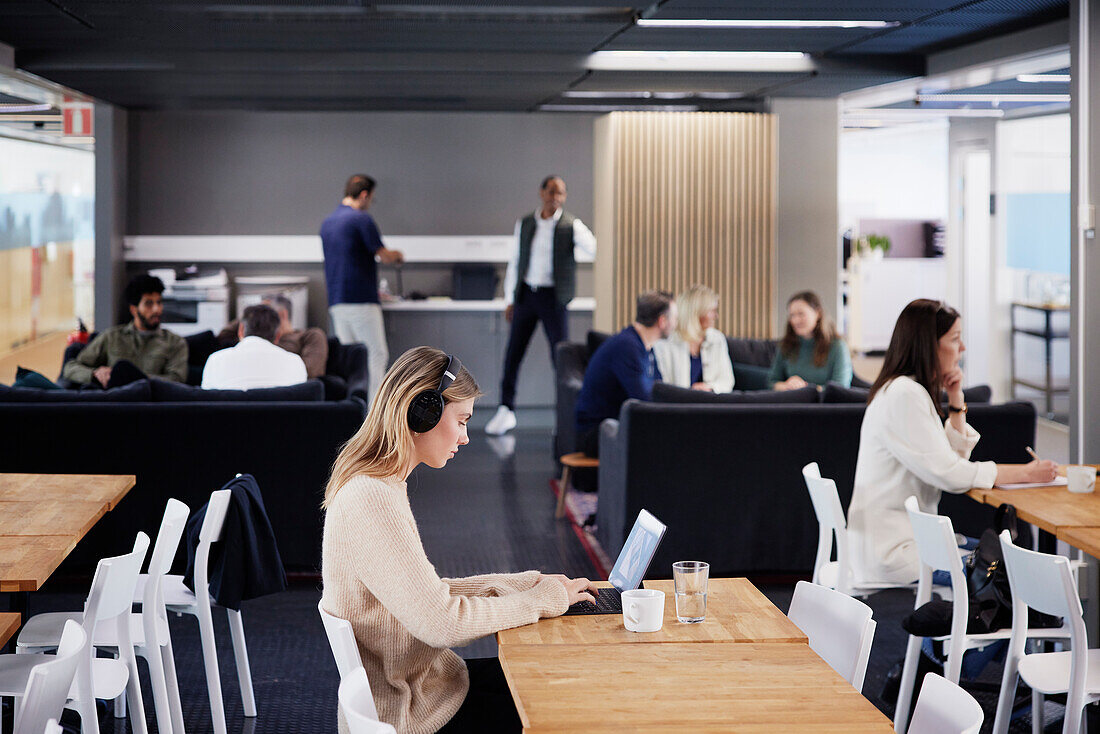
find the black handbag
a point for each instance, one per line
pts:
(988, 590)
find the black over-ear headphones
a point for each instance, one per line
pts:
(426, 409)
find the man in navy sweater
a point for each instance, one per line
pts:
(623, 367)
(351, 242)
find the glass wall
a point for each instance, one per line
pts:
(47, 248)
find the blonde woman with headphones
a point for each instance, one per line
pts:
(696, 355)
(377, 576)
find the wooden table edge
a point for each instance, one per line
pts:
(9, 625)
(7, 587)
(502, 658)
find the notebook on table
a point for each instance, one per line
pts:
(630, 567)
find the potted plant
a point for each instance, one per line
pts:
(874, 246)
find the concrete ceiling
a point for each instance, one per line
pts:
(459, 55)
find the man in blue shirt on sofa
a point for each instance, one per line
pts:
(623, 367)
(351, 241)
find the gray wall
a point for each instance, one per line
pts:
(256, 173)
(809, 241)
(110, 212)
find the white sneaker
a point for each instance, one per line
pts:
(502, 422)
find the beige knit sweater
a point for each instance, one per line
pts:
(405, 617)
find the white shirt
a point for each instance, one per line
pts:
(254, 362)
(904, 450)
(540, 266)
(674, 360)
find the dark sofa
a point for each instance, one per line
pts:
(184, 442)
(727, 478)
(186, 450)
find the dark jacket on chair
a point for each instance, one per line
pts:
(245, 563)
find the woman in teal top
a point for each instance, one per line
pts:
(811, 352)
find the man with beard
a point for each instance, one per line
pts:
(136, 349)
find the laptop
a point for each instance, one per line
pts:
(630, 567)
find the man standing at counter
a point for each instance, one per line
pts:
(540, 282)
(351, 241)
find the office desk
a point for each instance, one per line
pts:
(736, 612)
(754, 672)
(683, 687)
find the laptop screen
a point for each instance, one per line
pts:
(637, 552)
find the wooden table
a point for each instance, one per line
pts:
(1087, 539)
(9, 625)
(1048, 508)
(755, 672)
(44, 516)
(683, 687)
(108, 488)
(736, 612)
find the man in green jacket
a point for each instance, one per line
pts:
(137, 349)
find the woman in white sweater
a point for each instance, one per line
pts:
(696, 355)
(377, 576)
(905, 449)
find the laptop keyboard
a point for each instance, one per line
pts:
(608, 601)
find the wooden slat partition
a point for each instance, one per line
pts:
(685, 198)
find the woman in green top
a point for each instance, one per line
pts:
(811, 352)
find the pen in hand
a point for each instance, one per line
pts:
(1031, 453)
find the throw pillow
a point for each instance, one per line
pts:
(664, 393)
(173, 392)
(835, 393)
(750, 376)
(29, 378)
(135, 392)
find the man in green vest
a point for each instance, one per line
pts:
(540, 282)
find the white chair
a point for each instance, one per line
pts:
(43, 631)
(937, 548)
(341, 639)
(832, 525)
(358, 705)
(839, 627)
(181, 600)
(108, 604)
(1046, 583)
(52, 727)
(49, 682)
(945, 708)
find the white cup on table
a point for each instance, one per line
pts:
(1080, 479)
(643, 610)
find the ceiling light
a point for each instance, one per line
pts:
(994, 98)
(1041, 78)
(617, 108)
(702, 61)
(918, 113)
(11, 108)
(703, 23)
(586, 94)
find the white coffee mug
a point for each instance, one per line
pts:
(1081, 479)
(643, 610)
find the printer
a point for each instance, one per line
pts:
(194, 300)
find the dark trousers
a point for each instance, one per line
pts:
(488, 706)
(123, 372)
(530, 307)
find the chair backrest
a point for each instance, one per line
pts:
(49, 682)
(935, 538)
(341, 639)
(830, 523)
(358, 705)
(112, 590)
(839, 627)
(168, 537)
(945, 708)
(213, 525)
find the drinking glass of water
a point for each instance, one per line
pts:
(690, 579)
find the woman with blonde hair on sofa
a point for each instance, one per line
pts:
(377, 575)
(696, 354)
(811, 351)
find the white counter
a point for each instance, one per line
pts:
(577, 304)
